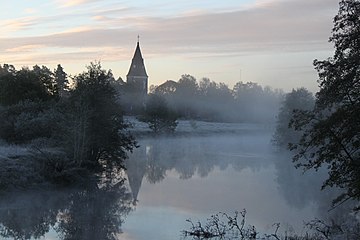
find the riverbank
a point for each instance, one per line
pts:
(37, 166)
(196, 127)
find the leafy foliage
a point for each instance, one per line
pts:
(332, 130)
(299, 99)
(85, 126)
(26, 84)
(29, 120)
(158, 116)
(96, 136)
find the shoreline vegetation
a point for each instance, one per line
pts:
(235, 226)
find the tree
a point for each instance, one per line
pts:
(158, 116)
(96, 135)
(6, 69)
(214, 101)
(29, 120)
(61, 80)
(332, 130)
(26, 84)
(299, 99)
(167, 88)
(46, 78)
(187, 85)
(253, 103)
(186, 95)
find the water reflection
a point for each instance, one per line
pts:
(89, 213)
(190, 156)
(202, 175)
(301, 189)
(201, 155)
(171, 179)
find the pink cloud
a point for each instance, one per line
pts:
(287, 26)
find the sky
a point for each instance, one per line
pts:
(271, 42)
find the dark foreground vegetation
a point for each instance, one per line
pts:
(225, 226)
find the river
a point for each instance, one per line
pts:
(173, 178)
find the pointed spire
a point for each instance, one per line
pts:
(137, 67)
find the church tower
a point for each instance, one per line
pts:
(137, 77)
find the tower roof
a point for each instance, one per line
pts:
(137, 67)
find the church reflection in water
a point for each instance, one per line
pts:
(187, 156)
(98, 211)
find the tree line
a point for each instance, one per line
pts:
(211, 101)
(203, 100)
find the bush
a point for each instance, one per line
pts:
(29, 120)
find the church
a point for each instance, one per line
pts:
(136, 87)
(137, 76)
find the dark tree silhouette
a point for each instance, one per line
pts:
(158, 116)
(299, 99)
(61, 80)
(96, 130)
(332, 130)
(26, 84)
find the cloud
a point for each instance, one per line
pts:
(18, 23)
(282, 25)
(25, 48)
(58, 55)
(30, 10)
(72, 3)
(114, 11)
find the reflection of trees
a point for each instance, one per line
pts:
(95, 213)
(299, 189)
(91, 213)
(302, 188)
(29, 215)
(155, 170)
(188, 156)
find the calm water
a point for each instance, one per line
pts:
(171, 179)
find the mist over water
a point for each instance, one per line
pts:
(196, 176)
(174, 178)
